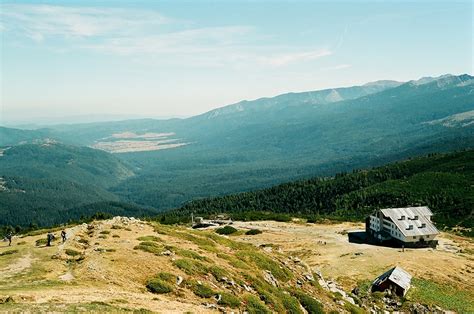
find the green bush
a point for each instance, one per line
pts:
(43, 241)
(253, 232)
(157, 285)
(201, 290)
(226, 230)
(72, 252)
(170, 278)
(255, 306)
(229, 300)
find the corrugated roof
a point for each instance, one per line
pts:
(423, 212)
(396, 275)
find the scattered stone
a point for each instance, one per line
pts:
(268, 276)
(167, 253)
(179, 280)
(309, 277)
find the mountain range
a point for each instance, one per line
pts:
(162, 164)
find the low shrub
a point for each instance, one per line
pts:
(229, 300)
(157, 285)
(201, 290)
(9, 252)
(105, 232)
(150, 247)
(190, 267)
(310, 304)
(253, 232)
(83, 241)
(167, 277)
(255, 306)
(72, 252)
(149, 238)
(218, 272)
(116, 227)
(226, 230)
(191, 254)
(115, 236)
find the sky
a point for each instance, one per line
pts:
(176, 58)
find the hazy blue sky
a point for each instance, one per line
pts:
(164, 58)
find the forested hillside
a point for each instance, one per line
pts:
(444, 182)
(51, 183)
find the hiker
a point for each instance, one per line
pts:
(9, 238)
(63, 235)
(50, 238)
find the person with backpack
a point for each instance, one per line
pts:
(63, 235)
(50, 238)
(9, 238)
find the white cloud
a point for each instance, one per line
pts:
(339, 67)
(288, 58)
(141, 35)
(42, 21)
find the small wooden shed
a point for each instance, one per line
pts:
(396, 280)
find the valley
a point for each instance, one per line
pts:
(148, 166)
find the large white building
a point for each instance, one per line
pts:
(409, 226)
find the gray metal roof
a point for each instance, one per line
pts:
(423, 213)
(396, 275)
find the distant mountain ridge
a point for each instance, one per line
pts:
(256, 144)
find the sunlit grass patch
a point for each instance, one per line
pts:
(264, 262)
(445, 296)
(150, 247)
(149, 238)
(229, 300)
(200, 289)
(191, 254)
(191, 267)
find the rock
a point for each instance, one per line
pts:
(355, 291)
(268, 276)
(218, 297)
(179, 280)
(247, 288)
(167, 253)
(309, 277)
(350, 300)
